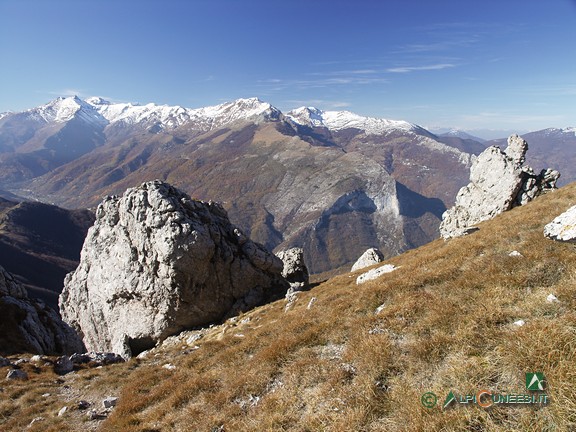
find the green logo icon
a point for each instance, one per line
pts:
(449, 399)
(535, 381)
(429, 400)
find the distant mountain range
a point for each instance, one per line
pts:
(332, 182)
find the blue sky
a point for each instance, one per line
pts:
(490, 64)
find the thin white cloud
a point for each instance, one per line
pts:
(68, 92)
(318, 103)
(323, 80)
(408, 69)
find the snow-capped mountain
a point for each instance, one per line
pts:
(62, 110)
(98, 111)
(567, 132)
(338, 120)
(170, 117)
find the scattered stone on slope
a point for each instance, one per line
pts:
(157, 262)
(295, 270)
(30, 326)
(110, 402)
(16, 374)
(370, 257)
(563, 227)
(63, 365)
(498, 182)
(375, 273)
(96, 358)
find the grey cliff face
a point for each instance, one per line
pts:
(156, 262)
(31, 326)
(498, 182)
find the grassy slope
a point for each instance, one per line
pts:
(447, 324)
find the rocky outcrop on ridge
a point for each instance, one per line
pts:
(498, 182)
(295, 270)
(563, 227)
(30, 326)
(370, 257)
(157, 262)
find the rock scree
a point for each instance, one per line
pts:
(157, 262)
(499, 181)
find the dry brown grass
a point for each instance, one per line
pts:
(446, 324)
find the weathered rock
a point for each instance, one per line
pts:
(110, 402)
(498, 182)
(83, 405)
(563, 227)
(96, 359)
(63, 365)
(375, 273)
(295, 270)
(370, 257)
(31, 326)
(4, 362)
(19, 374)
(157, 262)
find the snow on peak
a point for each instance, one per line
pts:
(338, 120)
(307, 116)
(240, 109)
(61, 110)
(556, 131)
(170, 117)
(96, 100)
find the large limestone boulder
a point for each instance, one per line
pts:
(563, 227)
(295, 270)
(498, 182)
(30, 326)
(370, 257)
(156, 262)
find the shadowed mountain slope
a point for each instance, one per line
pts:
(40, 244)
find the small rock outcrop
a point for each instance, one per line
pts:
(563, 227)
(375, 273)
(295, 270)
(370, 257)
(498, 182)
(30, 326)
(157, 262)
